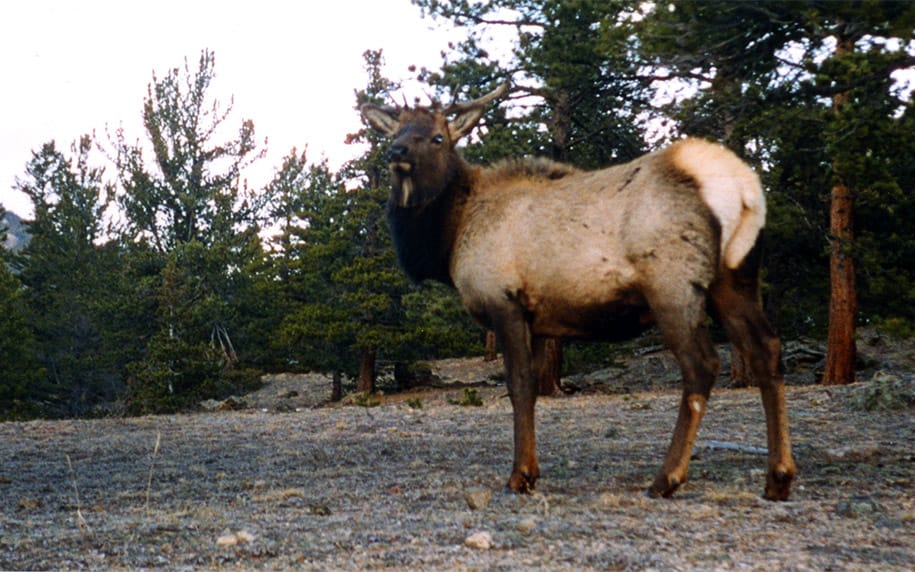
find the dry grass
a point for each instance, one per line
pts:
(355, 488)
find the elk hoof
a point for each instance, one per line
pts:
(778, 484)
(664, 486)
(522, 482)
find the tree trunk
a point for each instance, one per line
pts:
(841, 352)
(366, 381)
(491, 351)
(560, 125)
(336, 392)
(740, 371)
(550, 366)
(843, 298)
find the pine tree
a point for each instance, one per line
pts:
(861, 119)
(63, 271)
(190, 209)
(21, 375)
(316, 330)
(372, 285)
(770, 70)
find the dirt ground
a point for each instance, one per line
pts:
(285, 485)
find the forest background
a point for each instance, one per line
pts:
(157, 278)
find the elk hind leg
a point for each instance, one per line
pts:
(683, 326)
(735, 297)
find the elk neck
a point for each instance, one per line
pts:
(424, 235)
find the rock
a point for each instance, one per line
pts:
(859, 506)
(230, 403)
(479, 540)
(855, 453)
(477, 498)
(227, 540)
(408, 376)
(244, 536)
(235, 538)
(526, 525)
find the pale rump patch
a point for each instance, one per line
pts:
(730, 189)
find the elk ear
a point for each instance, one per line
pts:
(464, 121)
(384, 119)
(466, 115)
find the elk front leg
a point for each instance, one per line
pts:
(525, 469)
(515, 337)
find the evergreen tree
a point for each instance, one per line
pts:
(803, 88)
(266, 285)
(571, 56)
(862, 116)
(4, 229)
(21, 375)
(349, 304)
(315, 331)
(195, 190)
(193, 210)
(64, 271)
(371, 284)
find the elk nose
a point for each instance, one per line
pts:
(397, 152)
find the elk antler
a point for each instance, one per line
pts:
(479, 102)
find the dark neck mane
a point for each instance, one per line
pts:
(424, 236)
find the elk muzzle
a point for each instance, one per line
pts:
(401, 173)
(397, 153)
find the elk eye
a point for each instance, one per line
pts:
(438, 139)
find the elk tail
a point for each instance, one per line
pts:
(731, 189)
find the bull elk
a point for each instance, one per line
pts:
(539, 249)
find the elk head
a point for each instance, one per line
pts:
(422, 156)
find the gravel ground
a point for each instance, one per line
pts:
(356, 488)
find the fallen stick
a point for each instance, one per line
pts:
(735, 447)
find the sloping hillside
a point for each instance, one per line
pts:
(16, 235)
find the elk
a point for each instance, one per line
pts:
(539, 249)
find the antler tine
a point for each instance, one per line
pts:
(431, 97)
(479, 102)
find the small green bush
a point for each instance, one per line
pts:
(470, 398)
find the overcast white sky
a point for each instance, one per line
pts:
(69, 67)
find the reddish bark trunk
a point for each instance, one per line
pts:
(366, 381)
(551, 367)
(740, 370)
(491, 351)
(843, 299)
